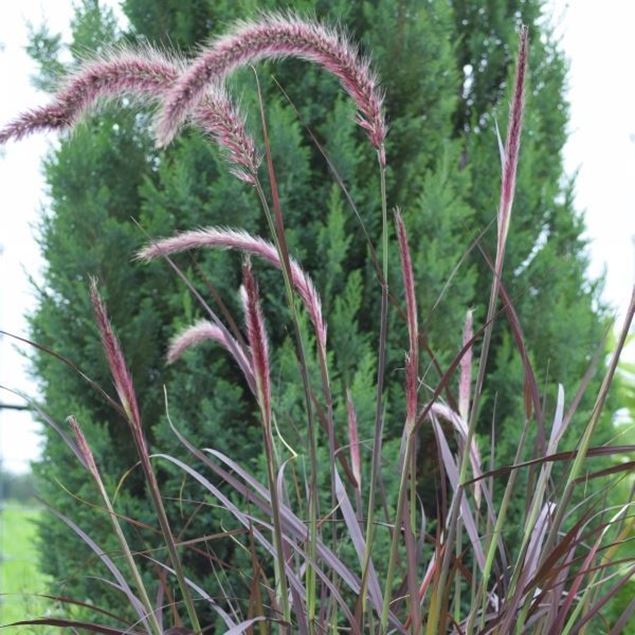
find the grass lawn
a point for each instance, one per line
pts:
(19, 567)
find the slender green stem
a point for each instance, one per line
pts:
(145, 600)
(455, 507)
(313, 502)
(171, 544)
(498, 527)
(396, 532)
(281, 579)
(381, 367)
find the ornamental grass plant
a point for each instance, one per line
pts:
(312, 528)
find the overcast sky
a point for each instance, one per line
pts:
(597, 38)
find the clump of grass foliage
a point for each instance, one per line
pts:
(312, 552)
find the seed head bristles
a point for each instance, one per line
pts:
(277, 35)
(83, 447)
(218, 116)
(202, 331)
(124, 73)
(257, 336)
(254, 245)
(120, 373)
(412, 358)
(512, 145)
(465, 380)
(145, 74)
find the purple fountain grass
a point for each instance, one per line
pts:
(465, 379)
(459, 424)
(254, 245)
(277, 35)
(257, 337)
(148, 615)
(404, 517)
(218, 116)
(145, 74)
(125, 389)
(353, 438)
(412, 358)
(84, 449)
(512, 144)
(202, 331)
(121, 376)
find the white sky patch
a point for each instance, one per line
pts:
(22, 188)
(23, 196)
(597, 39)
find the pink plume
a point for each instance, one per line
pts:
(512, 144)
(146, 74)
(254, 245)
(257, 337)
(119, 371)
(202, 331)
(412, 359)
(84, 449)
(276, 36)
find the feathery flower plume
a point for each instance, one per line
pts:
(84, 449)
(202, 331)
(353, 438)
(277, 35)
(465, 380)
(412, 359)
(118, 369)
(257, 336)
(125, 389)
(254, 245)
(218, 116)
(512, 143)
(146, 74)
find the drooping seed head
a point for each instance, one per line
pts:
(203, 331)
(145, 75)
(274, 36)
(242, 241)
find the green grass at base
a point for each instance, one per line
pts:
(19, 572)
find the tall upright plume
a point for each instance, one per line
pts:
(274, 36)
(147, 75)
(257, 336)
(512, 143)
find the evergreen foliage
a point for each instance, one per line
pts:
(445, 68)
